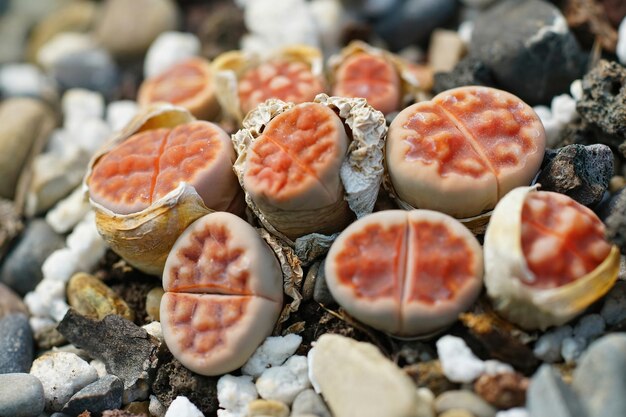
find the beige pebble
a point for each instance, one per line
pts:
(153, 303)
(456, 412)
(267, 408)
(93, 298)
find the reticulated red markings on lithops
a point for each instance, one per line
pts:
(420, 268)
(150, 164)
(471, 143)
(371, 77)
(290, 81)
(179, 83)
(298, 155)
(223, 294)
(561, 239)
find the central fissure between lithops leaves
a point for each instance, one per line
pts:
(473, 142)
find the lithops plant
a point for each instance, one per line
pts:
(310, 169)
(385, 80)
(162, 172)
(223, 294)
(461, 152)
(546, 258)
(292, 74)
(408, 273)
(188, 84)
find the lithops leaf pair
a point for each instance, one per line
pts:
(408, 273)
(223, 294)
(546, 258)
(245, 80)
(310, 168)
(189, 84)
(461, 152)
(384, 79)
(156, 177)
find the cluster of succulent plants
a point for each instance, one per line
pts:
(227, 221)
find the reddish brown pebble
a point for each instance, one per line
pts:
(223, 294)
(371, 77)
(150, 164)
(562, 240)
(290, 81)
(188, 84)
(407, 273)
(503, 391)
(462, 151)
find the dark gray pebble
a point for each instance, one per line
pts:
(91, 69)
(104, 394)
(16, 344)
(603, 104)
(580, 172)
(600, 377)
(549, 396)
(616, 221)
(21, 269)
(21, 395)
(412, 21)
(529, 48)
(469, 71)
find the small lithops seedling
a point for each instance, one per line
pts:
(293, 74)
(464, 150)
(223, 294)
(157, 176)
(286, 80)
(371, 77)
(546, 258)
(188, 84)
(294, 166)
(408, 273)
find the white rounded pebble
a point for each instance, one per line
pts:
(23, 80)
(62, 45)
(100, 367)
(58, 308)
(572, 348)
(168, 49)
(90, 134)
(40, 323)
(548, 346)
(465, 31)
(155, 407)
(119, 113)
(68, 212)
(182, 407)
(284, 383)
(273, 352)
(621, 42)
(86, 243)
(457, 360)
(513, 412)
(79, 104)
(235, 392)
(576, 89)
(590, 326)
(564, 108)
(550, 124)
(60, 265)
(154, 330)
(62, 374)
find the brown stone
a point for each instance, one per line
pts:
(10, 302)
(94, 299)
(430, 375)
(588, 19)
(504, 391)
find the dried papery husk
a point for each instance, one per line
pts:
(230, 66)
(360, 173)
(412, 89)
(291, 268)
(476, 224)
(144, 238)
(506, 270)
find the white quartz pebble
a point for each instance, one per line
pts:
(154, 330)
(564, 108)
(168, 49)
(513, 412)
(182, 407)
(100, 367)
(79, 104)
(273, 352)
(60, 265)
(155, 407)
(621, 43)
(24, 80)
(284, 383)
(234, 393)
(457, 360)
(576, 89)
(119, 113)
(68, 212)
(62, 374)
(91, 134)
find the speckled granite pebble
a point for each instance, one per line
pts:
(103, 394)
(16, 344)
